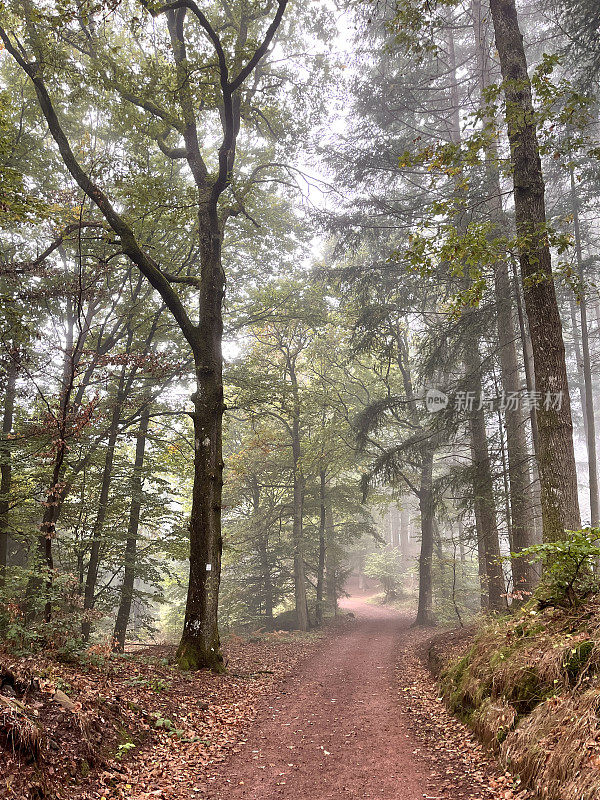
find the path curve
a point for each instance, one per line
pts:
(335, 729)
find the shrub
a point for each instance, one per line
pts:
(569, 567)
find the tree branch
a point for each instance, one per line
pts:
(262, 49)
(170, 152)
(130, 245)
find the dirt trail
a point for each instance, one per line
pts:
(334, 730)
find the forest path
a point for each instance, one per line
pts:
(334, 730)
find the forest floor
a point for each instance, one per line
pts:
(351, 712)
(361, 718)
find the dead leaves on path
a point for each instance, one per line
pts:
(461, 769)
(193, 723)
(136, 727)
(165, 733)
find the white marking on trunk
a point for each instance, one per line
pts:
(208, 567)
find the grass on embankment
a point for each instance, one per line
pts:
(529, 686)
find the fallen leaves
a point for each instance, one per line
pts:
(161, 733)
(460, 766)
(164, 734)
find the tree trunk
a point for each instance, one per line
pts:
(560, 504)
(298, 506)
(5, 463)
(89, 592)
(521, 520)
(578, 360)
(483, 490)
(132, 534)
(481, 558)
(330, 560)
(395, 526)
(461, 544)
(483, 487)
(267, 580)
(444, 590)
(299, 573)
(404, 541)
(263, 551)
(527, 354)
(427, 508)
(521, 500)
(200, 643)
(588, 414)
(322, 548)
(43, 572)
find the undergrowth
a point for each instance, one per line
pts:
(530, 687)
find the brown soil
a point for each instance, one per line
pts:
(340, 727)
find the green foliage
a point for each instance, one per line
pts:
(22, 623)
(163, 722)
(157, 685)
(389, 568)
(415, 25)
(17, 204)
(123, 749)
(569, 566)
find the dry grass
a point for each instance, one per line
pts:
(556, 748)
(18, 728)
(530, 687)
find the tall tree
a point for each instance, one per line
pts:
(137, 478)
(521, 499)
(558, 476)
(200, 645)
